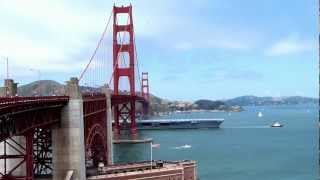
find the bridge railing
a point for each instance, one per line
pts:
(93, 95)
(20, 100)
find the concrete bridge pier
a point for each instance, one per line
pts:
(68, 138)
(107, 91)
(10, 88)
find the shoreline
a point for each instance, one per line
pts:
(195, 111)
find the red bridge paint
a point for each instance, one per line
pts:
(95, 125)
(126, 110)
(18, 115)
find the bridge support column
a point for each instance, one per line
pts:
(145, 110)
(116, 114)
(133, 128)
(109, 119)
(68, 139)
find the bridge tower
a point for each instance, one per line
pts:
(145, 94)
(124, 112)
(145, 85)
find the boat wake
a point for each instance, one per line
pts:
(186, 146)
(246, 127)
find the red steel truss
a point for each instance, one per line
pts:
(24, 135)
(42, 152)
(31, 119)
(17, 162)
(95, 116)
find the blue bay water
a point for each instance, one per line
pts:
(244, 148)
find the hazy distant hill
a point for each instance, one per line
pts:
(49, 87)
(43, 87)
(208, 104)
(256, 101)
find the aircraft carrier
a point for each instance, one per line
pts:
(178, 124)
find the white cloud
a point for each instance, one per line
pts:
(290, 46)
(47, 35)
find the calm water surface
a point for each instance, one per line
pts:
(244, 148)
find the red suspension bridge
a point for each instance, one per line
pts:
(56, 135)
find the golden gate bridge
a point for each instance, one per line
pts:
(49, 135)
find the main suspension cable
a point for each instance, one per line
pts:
(97, 47)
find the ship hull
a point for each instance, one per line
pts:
(178, 124)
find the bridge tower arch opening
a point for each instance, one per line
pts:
(96, 147)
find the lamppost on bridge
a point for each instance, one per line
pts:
(7, 66)
(39, 78)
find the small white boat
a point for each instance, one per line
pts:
(186, 146)
(276, 124)
(260, 114)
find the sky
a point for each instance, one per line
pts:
(195, 49)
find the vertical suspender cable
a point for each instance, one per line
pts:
(98, 45)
